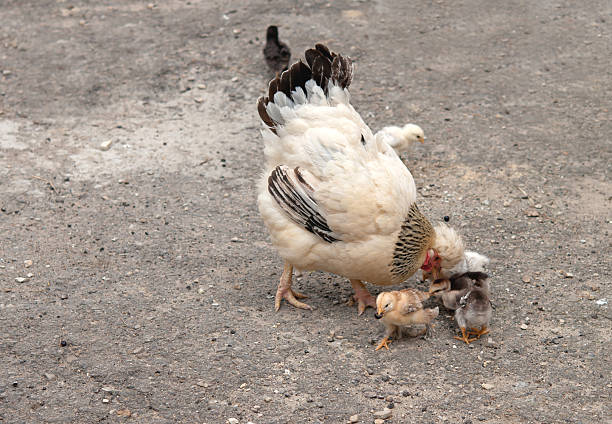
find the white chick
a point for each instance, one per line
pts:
(401, 138)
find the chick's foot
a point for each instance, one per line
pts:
(475, 332)
(464, 337)
(384, 343)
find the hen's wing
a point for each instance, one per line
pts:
(295, 196)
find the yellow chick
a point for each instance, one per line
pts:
(402, 308)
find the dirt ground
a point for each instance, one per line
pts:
(137, 280)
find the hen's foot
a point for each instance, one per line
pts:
(284, 291)
(362, 296)
(290, 296)
(384, 343)
(464, 337)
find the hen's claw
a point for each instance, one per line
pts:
(292, 297)
(384, 343)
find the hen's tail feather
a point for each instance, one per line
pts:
(323, 66)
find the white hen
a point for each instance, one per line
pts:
(334, 197)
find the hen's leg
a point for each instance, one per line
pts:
(362, 296)
(284, 290)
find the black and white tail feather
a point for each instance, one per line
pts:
(325, 68)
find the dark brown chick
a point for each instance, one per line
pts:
(474, 312)
(276, 53)
(453, 289)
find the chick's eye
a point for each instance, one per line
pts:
(387, 305)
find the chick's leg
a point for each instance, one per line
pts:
(284, 290)
(385, 341)
(362, 296)
(475, 332)
(425, 316)
(464, 337)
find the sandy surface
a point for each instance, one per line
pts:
(136, 282)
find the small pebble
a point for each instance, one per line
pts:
(487, 386)
(267, 399)
(446, 218)
(105, 145)
(354, 419)
(137, 350)
(28, 263)
(21, 279)
(232, 420)
(526, 279)
(384, 414)
(49, 376)
(379, 421)
(63, 343)
(524, 326)
(105, 400)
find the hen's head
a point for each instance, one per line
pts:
(385, 302)
(446, 251)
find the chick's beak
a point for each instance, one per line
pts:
(378, 314)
